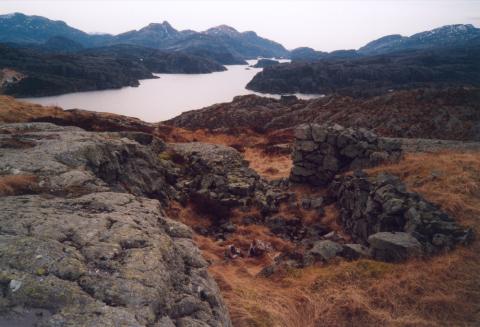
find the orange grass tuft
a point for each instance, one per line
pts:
(17, 184)
(13, 111)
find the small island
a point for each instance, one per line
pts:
(262, 63)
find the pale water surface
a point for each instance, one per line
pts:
(163, 98)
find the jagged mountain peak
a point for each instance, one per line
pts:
(455, 28)
(250, 33)
(163, 28)
(163, 24)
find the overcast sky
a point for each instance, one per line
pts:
(323, 25)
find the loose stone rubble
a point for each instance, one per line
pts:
(217, 178)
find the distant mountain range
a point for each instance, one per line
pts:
(223, 44)
(446, 36)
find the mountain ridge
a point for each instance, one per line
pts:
(440, 37)
(21, 28)
(447, 35)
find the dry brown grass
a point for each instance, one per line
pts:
(441, 291)
(17, 184)
(268, 166)
(14, 111)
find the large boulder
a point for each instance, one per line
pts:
(324, 250)
(321, 151)
(397, 246)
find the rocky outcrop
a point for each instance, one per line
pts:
(103, 259)
(320, 152)
(371, 206)
(248, 111)
(66, 159)
(85, 246)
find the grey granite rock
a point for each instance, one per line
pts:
(86, 247)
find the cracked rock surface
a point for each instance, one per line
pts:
(86, 247)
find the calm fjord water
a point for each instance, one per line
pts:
(164, 98)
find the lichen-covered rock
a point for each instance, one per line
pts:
(85, 247)
(320, 152)
(370, 205)
(75, 260)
